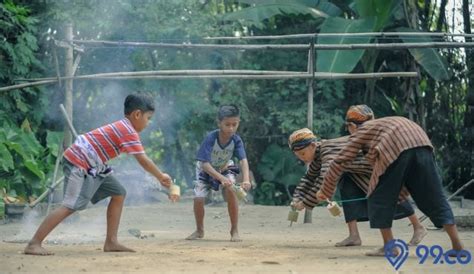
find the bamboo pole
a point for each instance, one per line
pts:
(308, 213)
(69, 73)
(44, 194)
(36, 83)
(394, 45)
(172, 72)
(56, 66)
(321, 75)
(76, 63)
(55, 174)
(55, 183)
(274, 46)
(424, 217)
(189, 75)
(102, 43)
(310, 85)
(363, 34)
(69, 124)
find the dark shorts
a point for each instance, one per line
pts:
(80, 188)
(358, 210)
(416, 169)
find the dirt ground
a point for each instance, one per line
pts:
(269, 244)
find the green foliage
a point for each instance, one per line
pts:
(17, 60)
(430, 59)
(279, 166)
(24, 161)
(18, 40)
(380, 10)
(258, 11)
(267, 194)
(186, 109)
(342, 61)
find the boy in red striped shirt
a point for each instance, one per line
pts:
(87, 177)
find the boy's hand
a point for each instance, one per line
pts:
(298, 205)
(320, 196)
(165, 180)
(173, 198)
(225, 181)
(246, 185)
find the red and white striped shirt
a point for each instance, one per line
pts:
(96, 147)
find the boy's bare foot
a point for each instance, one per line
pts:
(36, 249)
(234, 237)
(457, 253)
(196, 235)
(418, 235)
(350, 241)
(380, 252)
(116, 247)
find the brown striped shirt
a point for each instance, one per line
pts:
(359, 170)
(382, 140)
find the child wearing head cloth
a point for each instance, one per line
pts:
(353, 184)
(401, 156)
(359, 114)
(215, 169)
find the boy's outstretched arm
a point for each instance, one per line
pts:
(244, 166)
(149, 166)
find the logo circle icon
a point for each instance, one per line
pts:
(396, 252)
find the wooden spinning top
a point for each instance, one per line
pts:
(334, 208)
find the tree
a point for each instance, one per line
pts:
(27, 152)
(468, 132)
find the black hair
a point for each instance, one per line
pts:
(140, 101)
(226, 111)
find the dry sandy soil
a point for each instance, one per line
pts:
(269, 244)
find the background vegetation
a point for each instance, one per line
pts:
(441, 100)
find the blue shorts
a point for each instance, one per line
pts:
(205, 183)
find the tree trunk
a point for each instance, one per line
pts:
(413, 100)
(442, 15)
(185, 169)
(468, 134)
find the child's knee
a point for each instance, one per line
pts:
(199, 199)
(118, 198)
(229, 192)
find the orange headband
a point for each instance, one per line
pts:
(359, 114)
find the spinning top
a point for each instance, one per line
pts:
(334, 208)
(292, 215)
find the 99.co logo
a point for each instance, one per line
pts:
(440, 257)
(396, 252)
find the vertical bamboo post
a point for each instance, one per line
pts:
(309, 83)
(68, 83)
(68, 86)
(308, 214)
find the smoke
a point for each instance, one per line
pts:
(100, 102)
(93, 109)
(81, 227)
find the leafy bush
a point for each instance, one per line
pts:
(24, 161)
(281, 172)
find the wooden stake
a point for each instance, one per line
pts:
(69, 68)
